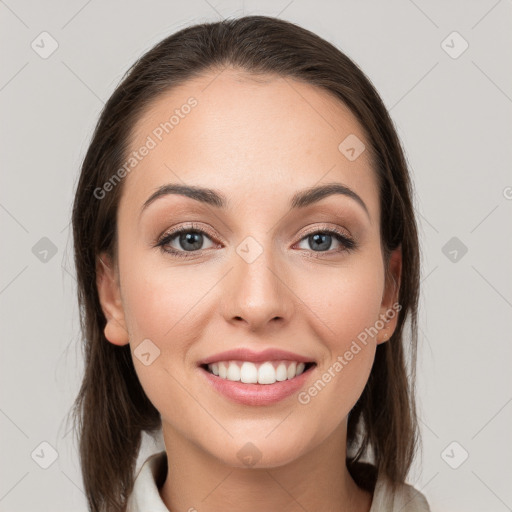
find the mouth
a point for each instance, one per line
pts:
(264, 372)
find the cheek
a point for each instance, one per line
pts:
(358, 307)
(346, 302)
(160, 307)
(154, 303)
(158, 299)
(347, 308)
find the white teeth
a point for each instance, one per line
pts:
(281, 372)
(291, 370)
(233, 372)
(267, 372)
(223, 370)
(249, 373)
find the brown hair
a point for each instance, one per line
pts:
(112, 410)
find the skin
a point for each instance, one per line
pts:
(258, 140)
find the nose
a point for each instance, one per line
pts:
(256, 291)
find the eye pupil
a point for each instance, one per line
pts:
(319, 239)
(190, 237)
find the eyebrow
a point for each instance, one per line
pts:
(211, 197)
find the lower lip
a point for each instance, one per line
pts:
(257, 394)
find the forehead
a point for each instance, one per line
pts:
(248, 136)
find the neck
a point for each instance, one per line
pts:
(318, 480)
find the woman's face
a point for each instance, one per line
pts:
(260, 272)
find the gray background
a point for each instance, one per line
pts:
(453, 113)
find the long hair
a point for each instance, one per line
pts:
(112, 410)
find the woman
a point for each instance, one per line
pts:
(247, 256)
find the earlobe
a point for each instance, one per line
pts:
(390, 307)
(110, 300)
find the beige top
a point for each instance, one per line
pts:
(146, 498)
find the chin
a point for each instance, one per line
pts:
(261, 452)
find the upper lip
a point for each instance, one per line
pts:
(245, 354)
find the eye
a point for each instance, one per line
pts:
(322, 239)
(187, 238)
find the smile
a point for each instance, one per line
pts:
(266, 372)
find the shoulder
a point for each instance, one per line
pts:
(145, 494)
(404, 498)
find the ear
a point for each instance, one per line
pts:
(390, 308)
(110, 300)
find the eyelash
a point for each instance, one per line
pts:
(348, 243)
